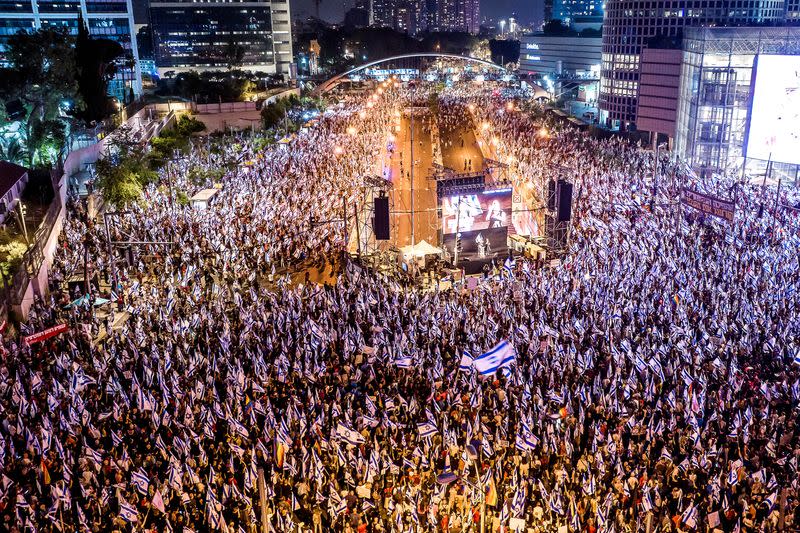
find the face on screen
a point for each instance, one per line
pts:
(775, 115)
(473, 212)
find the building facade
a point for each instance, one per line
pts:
(568, 10)
(717, 91)
(793, 12)
(563, 56)
(107, 19)
(472, 16)
(413, 16)
(659, 88)
(253, 35)
(628, 26)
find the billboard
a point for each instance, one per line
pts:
(774, 126)
(483, 221)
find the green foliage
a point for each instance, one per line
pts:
(187, 125)
(201, 176)
(118, 181)
(262, 143)
(95, 60)
(41, 76)
(11, 254)
(127, 168)
(182, 198)
(272, 114)
(45, 140)
(13, 149)
(211, 86)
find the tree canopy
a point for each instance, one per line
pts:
(95, 68)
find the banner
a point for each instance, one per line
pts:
(46, 334)
(724, 209)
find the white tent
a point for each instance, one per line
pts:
(421, 249)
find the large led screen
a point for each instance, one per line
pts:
(472, 212)
(775, 112)
(482, 220)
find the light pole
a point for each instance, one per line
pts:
(22, 211)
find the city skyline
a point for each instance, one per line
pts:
(333, 11)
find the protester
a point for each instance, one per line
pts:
(647, 381)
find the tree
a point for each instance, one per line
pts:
(234, 53)
(272, 114)
(95, 61)
(42, 76)
(556, 27)
(119, 184)
(13, 149)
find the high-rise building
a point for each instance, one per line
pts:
(412, 16)
(793, 12)
(548, 10)
(472, 16)
(108, 19)
(366, 5)
(567, 10)
(251, 35)
(629, 25)
(383, 13)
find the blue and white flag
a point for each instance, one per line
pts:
(128, 512)
(466, 362)
(426, 429)
(500, 356)
(348, 435)
(403, 362)
(689, 516)
(140, 480)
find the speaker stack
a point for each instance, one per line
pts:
(380, 222)
(564, 212)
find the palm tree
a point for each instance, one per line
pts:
(13, 149)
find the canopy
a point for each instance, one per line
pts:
(421, 249)
(84, 299)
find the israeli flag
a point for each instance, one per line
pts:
(140, 480)
(500, 356)
(348, 435)
(403, 362)
(689, 516)
(128, 512)
(426, 429)
(466, 362)
(770, 500)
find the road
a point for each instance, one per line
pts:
(425, 218)
(459, 145)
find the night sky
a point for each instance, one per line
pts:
(333, 10)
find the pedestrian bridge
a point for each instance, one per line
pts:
(406, 60)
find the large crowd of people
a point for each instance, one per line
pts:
(651, 383)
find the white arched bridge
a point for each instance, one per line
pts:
(334, 81)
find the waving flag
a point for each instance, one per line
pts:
(128, 512)
(466, 362)
(140, 480)
(500, 356)
(426, 429)
(348, 435)
(403, 362)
